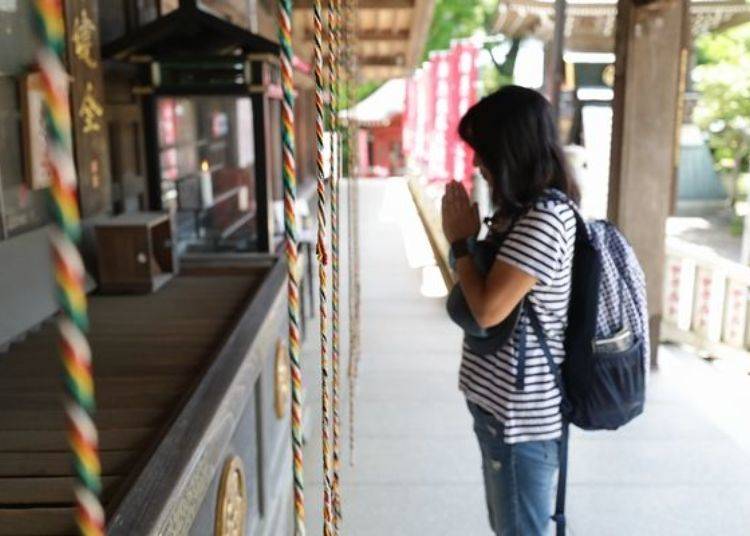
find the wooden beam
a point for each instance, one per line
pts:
(420, 26)
(396, 60)
(365, 4)
(374, 35)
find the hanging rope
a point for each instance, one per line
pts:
(350, 235)
(353, 199)
(289, 177)
(69, 270)
(322, 255)
(333, 41)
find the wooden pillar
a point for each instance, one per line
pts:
(87, 106)
(649, 49)
(266, 98)
(555, 68)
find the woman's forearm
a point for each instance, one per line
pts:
(473, 287)
(491, 299)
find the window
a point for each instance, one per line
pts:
(207, 160)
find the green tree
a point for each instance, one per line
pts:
(456, 19)
(723, 78)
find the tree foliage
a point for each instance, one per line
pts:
(457, 19)
(723, 78)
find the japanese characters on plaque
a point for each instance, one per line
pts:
(84, 32)
(91, 149)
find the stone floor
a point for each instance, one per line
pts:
(680, 469)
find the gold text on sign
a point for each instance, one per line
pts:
(84, 30)
(90, 111)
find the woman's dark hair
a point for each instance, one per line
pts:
(515, 137)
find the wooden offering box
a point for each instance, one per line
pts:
(135, 253)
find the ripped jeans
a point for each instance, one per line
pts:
(519, 479)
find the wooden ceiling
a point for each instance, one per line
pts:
(391, 35)
(590, 24)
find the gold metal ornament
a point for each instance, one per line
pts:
(231, 509)
(283, 379)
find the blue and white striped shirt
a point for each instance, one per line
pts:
(540, 244)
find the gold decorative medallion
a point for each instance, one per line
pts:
(282, 383)
(232, 506)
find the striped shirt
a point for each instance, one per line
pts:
(540, 244)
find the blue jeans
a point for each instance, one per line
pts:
(519, 479)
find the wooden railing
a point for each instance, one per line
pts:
(706, 302)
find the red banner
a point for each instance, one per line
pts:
(437, 96)
(465, 60)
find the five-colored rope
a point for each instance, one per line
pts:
(348, 92)
(333, 89)
(322, 255)
(289, 177)
(353, 215)
(68, 267)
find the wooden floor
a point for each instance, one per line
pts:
(148, 354)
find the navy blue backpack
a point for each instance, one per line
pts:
(603, 377)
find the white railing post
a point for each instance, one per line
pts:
(706, 301)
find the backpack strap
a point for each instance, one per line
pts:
(581, 227)
(521, 357)
(562, 483)
(562, 475)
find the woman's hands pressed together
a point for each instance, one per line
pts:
(490, 298)
(460, 217)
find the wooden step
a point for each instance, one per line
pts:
(39, 464)
(104, 399)
(45, 490)
(37, 521)
(115, 384)
(106, 419)
(57, 441)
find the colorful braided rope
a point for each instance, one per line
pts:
(322, 255)
(289, 176)
(333, 61)
(353, 214)
(348, 70)
(75, 352)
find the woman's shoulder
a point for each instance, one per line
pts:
(553, 205)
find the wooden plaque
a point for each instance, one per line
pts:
(34, 135)
(87, 99)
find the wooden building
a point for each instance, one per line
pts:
(590, 25)
(177, 145)
(177, 114)
(380, 118)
